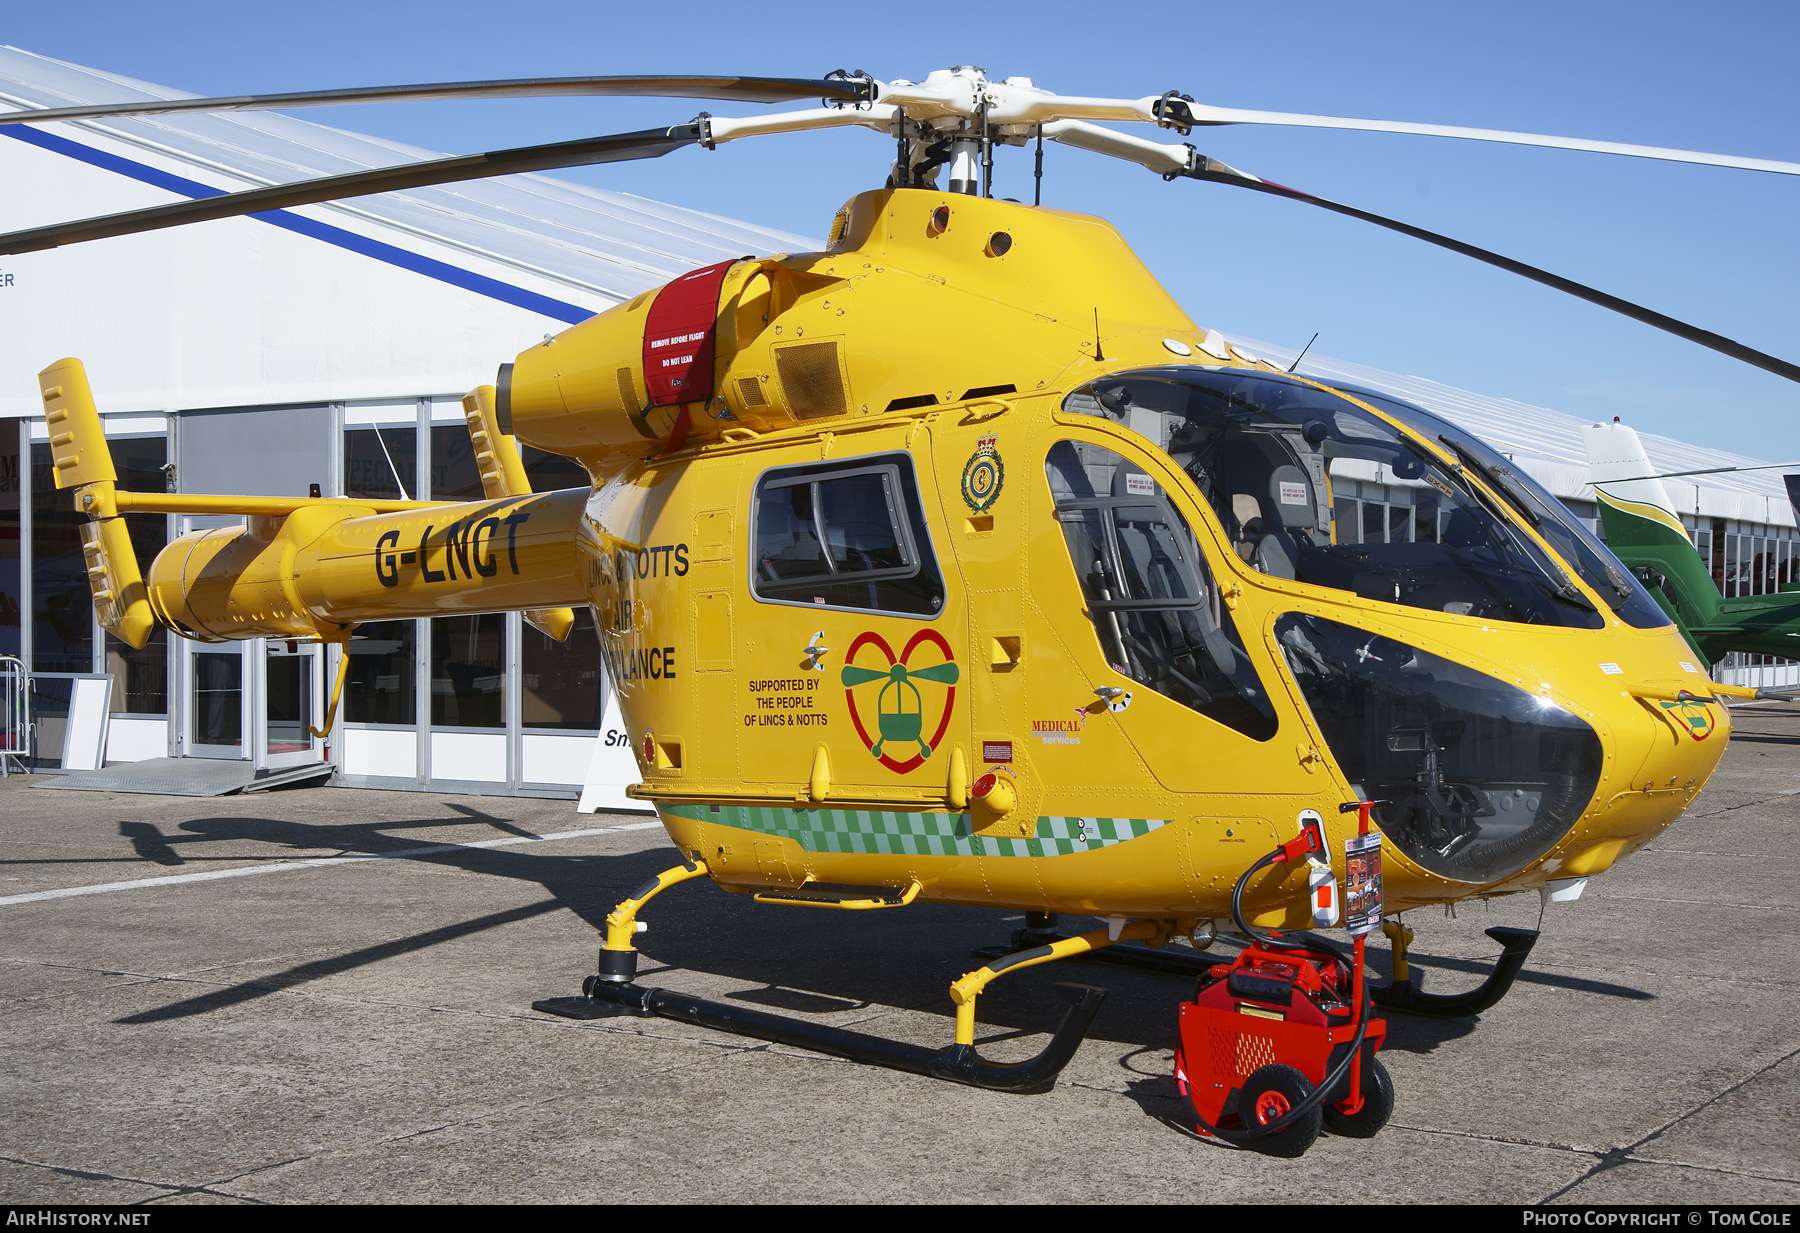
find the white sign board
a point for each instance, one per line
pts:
(84, 735)
(613, 768)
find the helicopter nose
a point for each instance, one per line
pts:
(1673, 747)
(1662, 747)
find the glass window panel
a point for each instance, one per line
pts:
(10, 592)
(1346, 522)
(1085, 535)
(468, 672)
(860, 524)
(141, 677)
(1428, 511)
(381, 463)
(875, 554)
(62, 617)
(454, 475)
(378, 685)
(218, 698)
(1374, 523)
(1156, 564)
(561, 683)
(1288, 444)
(287, 683)
(1478, 777)
(550, 472)
(1150, 594)
(787, 538)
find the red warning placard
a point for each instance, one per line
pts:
(678, 337)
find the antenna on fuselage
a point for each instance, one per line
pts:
(1303, 351)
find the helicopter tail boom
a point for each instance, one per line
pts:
(308, 568)
(321, 569)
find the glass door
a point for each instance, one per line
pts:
(216, 702)
(290, 704)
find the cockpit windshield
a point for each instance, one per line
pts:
(1573, 542)
(1312, 487)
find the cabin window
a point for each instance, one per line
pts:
(1152, 599)
(845, 535)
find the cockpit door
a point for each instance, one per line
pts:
(1028, 684)
(1164, 649)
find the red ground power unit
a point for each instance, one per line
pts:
(1263, 1032)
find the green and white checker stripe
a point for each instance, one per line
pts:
(880, 832)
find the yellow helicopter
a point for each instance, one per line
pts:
(955, 563)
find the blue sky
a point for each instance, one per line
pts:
(1715, 247)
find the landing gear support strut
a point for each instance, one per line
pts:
(613, 990)
(1402, 994)
(1040, 930)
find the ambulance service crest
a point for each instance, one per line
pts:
(983, 475)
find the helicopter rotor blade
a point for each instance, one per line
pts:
(850, 674)
(1201, 114)
(944, 674)
(1174, 162)
(729, 89)
(620, 147)
(1212, 170)
(1185, 162)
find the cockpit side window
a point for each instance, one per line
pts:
(1152, 599)
(1307, 485)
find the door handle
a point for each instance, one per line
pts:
(1116, 699)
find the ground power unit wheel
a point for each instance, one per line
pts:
(1269, 1094)
(1378, 1105)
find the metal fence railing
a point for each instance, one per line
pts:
(15, 715)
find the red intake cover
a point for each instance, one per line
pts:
(678, 337)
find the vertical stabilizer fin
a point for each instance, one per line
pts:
(78, 450)
(503, 475)
(80, 459)
(1642, 527)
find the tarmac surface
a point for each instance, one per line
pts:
(236, 1025)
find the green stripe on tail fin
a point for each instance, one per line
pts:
(1643, 529)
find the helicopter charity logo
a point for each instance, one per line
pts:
(983, 475)
(902, 710)
(1694, 713)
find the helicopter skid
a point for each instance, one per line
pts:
(958, 1063)
(1401, 995)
